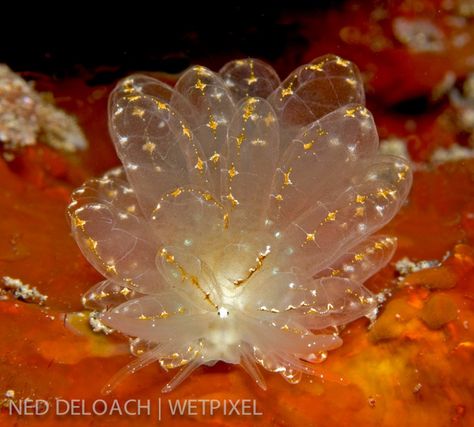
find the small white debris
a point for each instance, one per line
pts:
(462, 103)
(405, 266)
(453, 153)
(444, 86)
(97, 325)
(419, 34)
(381, 297)
(23, 291)
(372, 316)
(8, 156)
(60, 130)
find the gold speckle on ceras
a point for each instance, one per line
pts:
(201, 71)
(320, 132)
(200, 85)
(232, 171)
(286, 177)
(101, 295)
(129, 282)
(133, 98)
(350, 112)
(138, 112)
(385, 192)
(125, 291)
(363, 112)
(127, 86)
(186, 131)
(176, 192)
(232, 199)
(331, 216)
(111, 268)
(212, 124)
(289, 89)
(149, 147)
(269, 119)
(167, 256)
(112, 194)
(342, 62)
(286, 182)
(402, 174)
(316, 67)
(207, 196)
(311, 237)
(199, 165)
(240, 139)
(215, 157)
(78, 222)
(249, 109)
(226, 220)
(379, 245)
(143, 317)
(352, 82)
(252, 79)
(92, 245)
(161, 105)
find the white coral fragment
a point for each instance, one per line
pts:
(242, 222)
(26, 117)
(24, 291)
(419, 34)
(406, 266)
(454, 153)
(97, 325)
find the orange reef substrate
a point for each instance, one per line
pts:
(412, 367)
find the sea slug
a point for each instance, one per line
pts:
(240, 227)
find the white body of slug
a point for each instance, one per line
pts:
(242, 220)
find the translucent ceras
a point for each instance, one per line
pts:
(242, 220)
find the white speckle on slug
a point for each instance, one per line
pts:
(223, 313)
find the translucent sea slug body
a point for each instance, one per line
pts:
(242, 221)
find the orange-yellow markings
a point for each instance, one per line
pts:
(259, 263)
(170, 259)
(252, 79)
